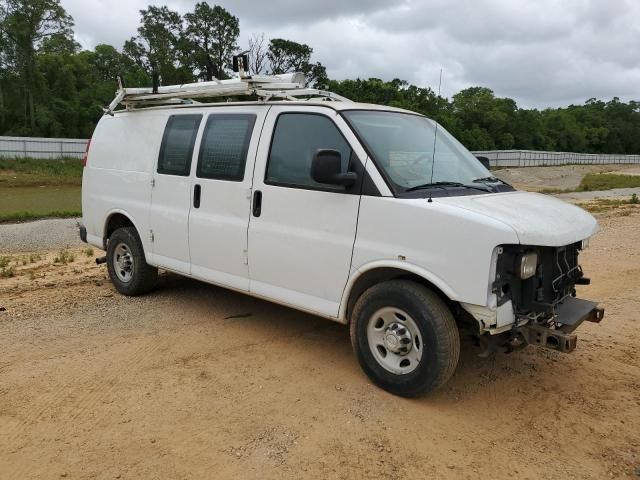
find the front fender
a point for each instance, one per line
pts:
(395, 264)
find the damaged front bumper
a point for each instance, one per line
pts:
(556, 334)
(559, 335)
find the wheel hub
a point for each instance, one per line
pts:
(397, 339)
(123, 262)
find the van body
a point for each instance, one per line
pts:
(363, 214)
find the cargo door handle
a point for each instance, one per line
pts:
(257, 203)
(197, 191)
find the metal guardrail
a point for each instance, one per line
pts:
(51, 148)
(44, 148)
(532, 158)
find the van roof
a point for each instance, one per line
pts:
(337, 106)
(285, 89)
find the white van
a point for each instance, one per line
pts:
(368, 215)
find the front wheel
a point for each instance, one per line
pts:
(128, 268)
(405, 337)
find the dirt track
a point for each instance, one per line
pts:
(193, 381)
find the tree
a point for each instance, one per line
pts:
(157, 48)
(257, 54)
(484, 121)
(286, 56)
(211, 37)
(26, 25)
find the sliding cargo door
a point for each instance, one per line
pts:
(221, 195)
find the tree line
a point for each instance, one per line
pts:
(51, 87)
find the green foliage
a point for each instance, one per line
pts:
(8, 271)
(210, 39)
(608, 181)
(286, 56)
(64, 257)
(159, 47)
(26, 216)
(20, 172)
(49, 88)
(606, 204)
(30, 27)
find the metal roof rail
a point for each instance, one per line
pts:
(266, 87)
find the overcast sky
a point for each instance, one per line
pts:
(539, 52)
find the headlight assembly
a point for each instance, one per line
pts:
(527, 265)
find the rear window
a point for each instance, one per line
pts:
(177, 144)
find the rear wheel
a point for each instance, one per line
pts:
(405, 337)
(126, 263)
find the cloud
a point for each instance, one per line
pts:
(543, 53)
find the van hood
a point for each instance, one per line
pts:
(537, 219)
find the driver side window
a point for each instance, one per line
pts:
(296, 138)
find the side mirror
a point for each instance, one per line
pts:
(484, 161)
(326, 167)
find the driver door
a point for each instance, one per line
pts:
(301, 232)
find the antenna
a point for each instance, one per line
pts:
(435, 137)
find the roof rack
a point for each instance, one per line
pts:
(266, 87)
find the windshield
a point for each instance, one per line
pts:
(403, 146)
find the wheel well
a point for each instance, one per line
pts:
(114, 222)
(379, 275)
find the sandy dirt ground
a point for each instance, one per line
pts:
(193, 381)
(565, 177)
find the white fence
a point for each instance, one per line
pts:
(74, 147)
(531, 158)
(32, 147)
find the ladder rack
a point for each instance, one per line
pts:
(265, 87)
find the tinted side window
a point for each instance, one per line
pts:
(177, 144)
(224, 146)
(296, 139)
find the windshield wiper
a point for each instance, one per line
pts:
(490, 180)
(425, 186)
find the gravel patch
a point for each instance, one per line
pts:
(39, 235)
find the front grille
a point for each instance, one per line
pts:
(555, 279)
(556, 275)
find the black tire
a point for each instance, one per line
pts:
(436, 325)
(143, 276)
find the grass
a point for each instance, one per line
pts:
(24, 172)
(606, 204)
(64, 257)
(15, 217)
(33, 188)
(7, 272)
(600, 181)
(608, 181)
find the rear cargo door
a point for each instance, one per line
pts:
(171, 194)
